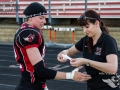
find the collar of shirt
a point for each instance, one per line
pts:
(102, 37)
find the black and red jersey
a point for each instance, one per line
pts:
(28, 36)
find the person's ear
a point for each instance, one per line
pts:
(30, 19)
(97, 23)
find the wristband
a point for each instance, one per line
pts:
(70, 75)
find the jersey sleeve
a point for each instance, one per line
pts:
(29, 38)
(79, 44)
(111, 46)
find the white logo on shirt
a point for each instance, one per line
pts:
(30, 38)
(86, 46)
(109, 82)
(98, 51)
(113, 82)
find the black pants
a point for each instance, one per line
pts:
(29, 86)
(104, 88)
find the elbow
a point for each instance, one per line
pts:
(113, 71)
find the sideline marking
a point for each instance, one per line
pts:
(58, 67)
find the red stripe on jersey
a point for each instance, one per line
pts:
(27, 63)
(17, 56)
(22, 67)
(44, 85)
(29, 46)
(32, 79)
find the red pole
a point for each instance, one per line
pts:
(54, 36)
(50, 34)
(73, 36)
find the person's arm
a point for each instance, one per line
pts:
(77, 76)
(110, 66)
(36, 60)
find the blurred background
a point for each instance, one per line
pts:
(61, 26)
(60, 31)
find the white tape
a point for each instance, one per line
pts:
(73, 72)
(65, 56)
(70, 75)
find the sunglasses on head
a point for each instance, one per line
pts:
(84, 18)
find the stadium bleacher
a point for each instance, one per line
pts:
(74, 8)
(113, 3)
(63, 14)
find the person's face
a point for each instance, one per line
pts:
(38, 21)
(90, 29)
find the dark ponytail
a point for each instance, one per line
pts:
(103, 27)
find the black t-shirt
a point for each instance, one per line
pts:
(105, 45)
(28, 36)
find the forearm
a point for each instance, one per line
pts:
(72, 51)
(60, 75)
(67, 52)
(103, 66)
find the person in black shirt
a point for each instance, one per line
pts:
(29, 49)
(100, 53)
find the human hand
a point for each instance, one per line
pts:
(78, 62)
(60, 56)
(81, 77)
